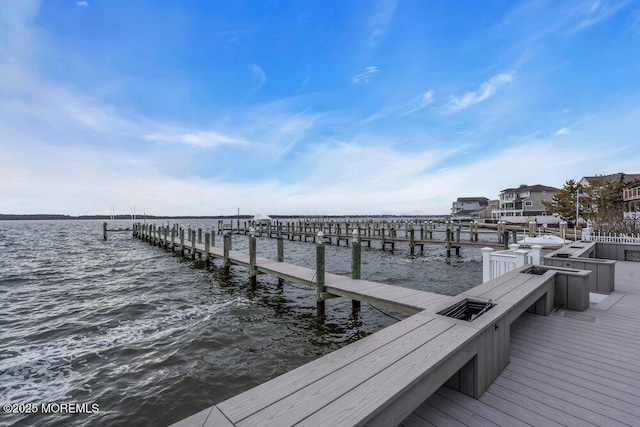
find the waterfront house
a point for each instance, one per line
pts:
(524, 203)
(470, 208)
(631, 195)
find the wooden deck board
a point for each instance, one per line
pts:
(369, 398)
(320, 394)
(251, 401)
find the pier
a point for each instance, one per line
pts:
(502, 353)
(414, 234)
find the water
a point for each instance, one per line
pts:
(150, 339)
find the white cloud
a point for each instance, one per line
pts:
(205, 139)
(596, 12)
(486, 91)
(563, 131)
(380, 19)
(259, 77)
(366, 76)
(82, 3)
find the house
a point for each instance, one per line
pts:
(470, 208)
(524, 203)
(631, 195)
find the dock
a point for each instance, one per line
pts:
(513, 357)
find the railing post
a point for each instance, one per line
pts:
(486, 264)
(320, 289)
(521, 257)
(536, 258)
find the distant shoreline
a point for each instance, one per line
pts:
(27, 217)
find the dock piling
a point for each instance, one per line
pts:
(104, 231)
(356, 262)
(252, 258)
(225, 250)
(320, 289)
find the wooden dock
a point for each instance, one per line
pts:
(518, 363)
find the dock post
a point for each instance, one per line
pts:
(382, 238)
(280, 240)
(181, 241)
(199, 235)
(252, 258)
(532, 228)
(356, 262)
(207, 247)
(514, 235)
(505, 239)
(412, 240)
(104, 231)
(166, 238)
(173, 239)
(193, 244)
(320, 305)
(226, 247)
(448, 232)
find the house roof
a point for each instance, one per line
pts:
(615, 177)
(534, 188)
(473, 199)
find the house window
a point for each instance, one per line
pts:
(528, 203)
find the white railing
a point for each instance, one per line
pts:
(589, 236)
(497, 263)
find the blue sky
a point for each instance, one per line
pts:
(309, 107)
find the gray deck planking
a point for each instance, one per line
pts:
(565, 370)
(321, 394)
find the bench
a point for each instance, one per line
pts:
(382, 378)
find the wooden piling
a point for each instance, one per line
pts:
(280, 240)
(320, 289)
(104, 231)
(356, 258)
(207, 249)
(226, 248)
(505, 239)
(252, 261)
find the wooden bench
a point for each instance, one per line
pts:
(382, 378)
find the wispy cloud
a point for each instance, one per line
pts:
(199, 139)
(259, 77)
(486, 91)
(595, 12)
(379, 20)
(365, 77)
(563, 131)
(82, 3)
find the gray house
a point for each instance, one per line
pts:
(470, 207)
(523, 203)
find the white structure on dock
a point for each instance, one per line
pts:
(496, 263)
